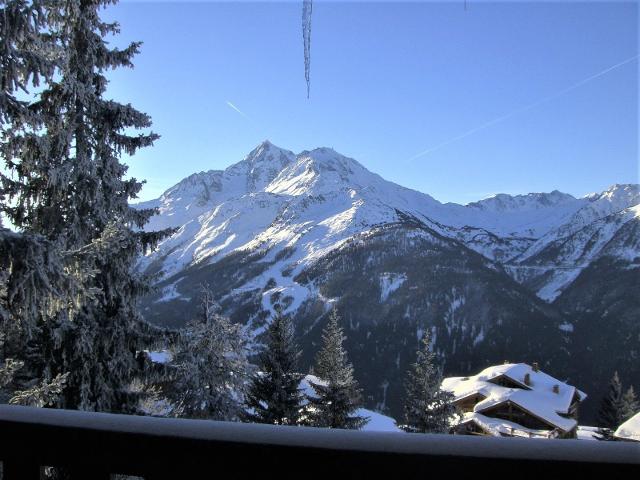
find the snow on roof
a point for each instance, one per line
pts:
(498, 427)
(629, 430)
(538, 397)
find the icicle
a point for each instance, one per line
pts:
(307, 6)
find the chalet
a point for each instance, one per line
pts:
(515, 399)
(629, 431)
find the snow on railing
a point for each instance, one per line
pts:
(95, 445)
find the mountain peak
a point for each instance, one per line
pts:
(193, 183)
(262, 165)
(503, 202)
(619, 196)
(264, 149)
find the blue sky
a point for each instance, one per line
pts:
(390, 80)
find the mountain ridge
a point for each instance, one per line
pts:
(503, 227)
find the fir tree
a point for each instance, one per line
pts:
(629, 405)
(610, 413)
(337, 396)
(33, 281)
(28, 54)
(274, 394)
(33, 288)
(211, 367)
(428, 408)
(68, 186)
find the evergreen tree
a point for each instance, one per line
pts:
(28, 54)
(629, 405)
(33, 288)
(274, 394)
(68, 186)
(32, 277)
(610, 413)
(211, 367)
(337, 396)
(428, 408)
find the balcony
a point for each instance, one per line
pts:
(96, 445)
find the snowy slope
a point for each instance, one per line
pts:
(595, 207)
(556, 260)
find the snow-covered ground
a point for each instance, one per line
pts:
(629, 430)
(587, 433)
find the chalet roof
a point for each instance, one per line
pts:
(498, 426)
(629, 430)
(538, 397)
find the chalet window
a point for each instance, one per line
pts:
(507, 382)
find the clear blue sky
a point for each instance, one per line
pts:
(388, 81)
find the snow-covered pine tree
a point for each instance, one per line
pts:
(69, 186)
(609, 414)
(31, 274)
(427, 408)
(274, 395)
(34, 288)
(210, 366)
(337, 396)
(34, 285)
(629, 405)
(28, 54)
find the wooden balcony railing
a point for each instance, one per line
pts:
(96, 445)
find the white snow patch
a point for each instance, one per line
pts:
(560, 279)
(170, 292)
(587, 433)
(161, 356)
(389, 283)
(566, 327)
(629, 430)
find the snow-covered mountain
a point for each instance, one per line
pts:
(317, 229)
(554, 261)
(317, 199)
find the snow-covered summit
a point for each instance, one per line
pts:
(323, 172)
(619, 194)
(260, 167)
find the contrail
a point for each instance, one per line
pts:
(237, 109)
(523, 109)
